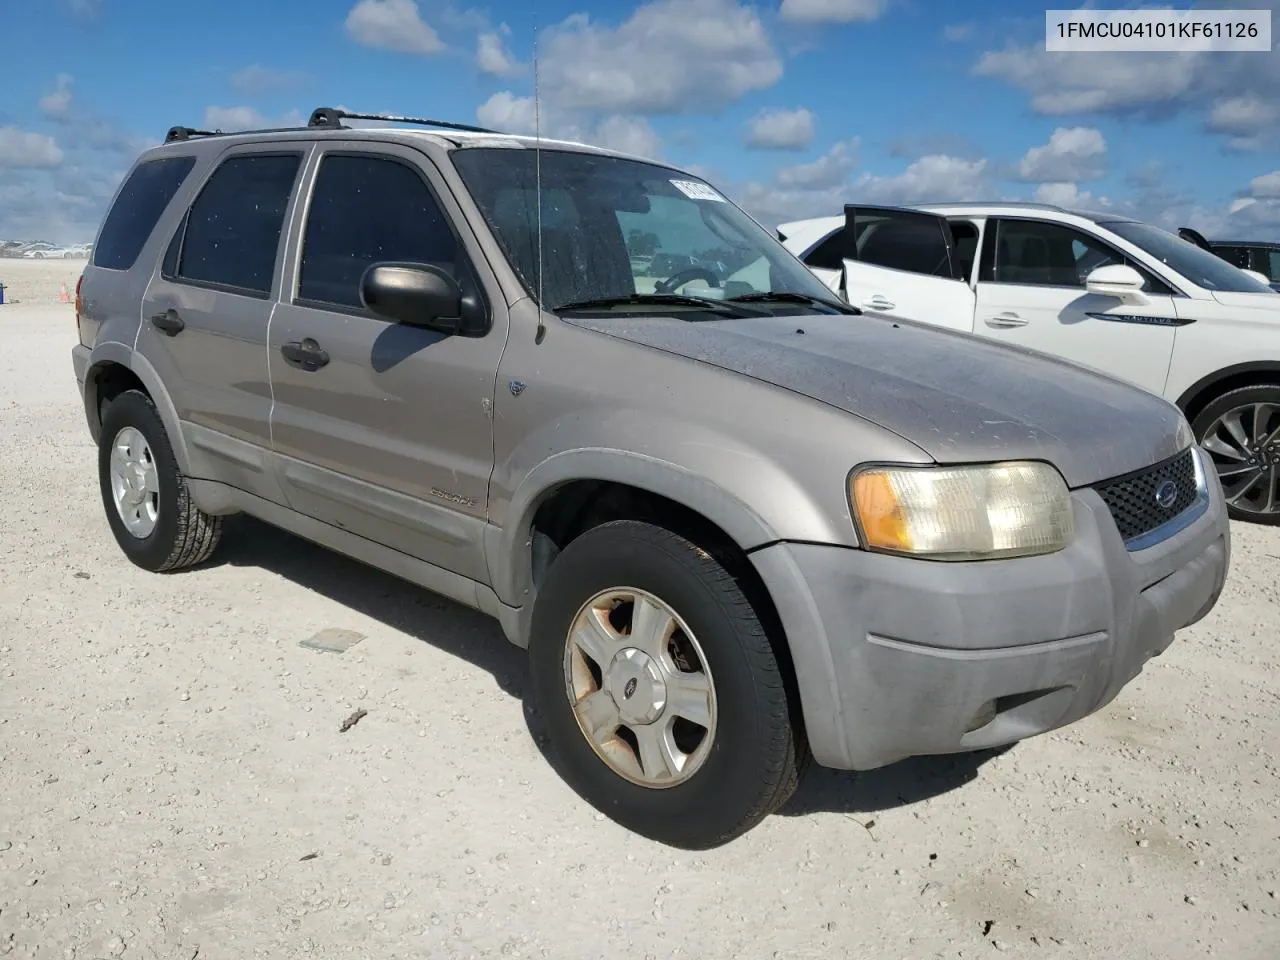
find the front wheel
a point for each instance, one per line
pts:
(663, 699)
(1240, 430)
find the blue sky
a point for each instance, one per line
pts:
(793, 107)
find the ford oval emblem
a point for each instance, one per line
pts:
(1166, 494)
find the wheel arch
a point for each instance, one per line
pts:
(1253, 373)
(587, 473)
(114, 368)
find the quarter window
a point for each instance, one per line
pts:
(1273, 265)
(233, 228)
(828, 254)
(366, 210)
(137, 209)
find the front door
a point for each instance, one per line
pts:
(384, 429)
(205, 314)
(1031, 292)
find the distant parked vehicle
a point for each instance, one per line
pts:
(1257, 256)
(52, 253)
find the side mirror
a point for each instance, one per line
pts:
(1260, 277)
(417, 294)
(1117, 280)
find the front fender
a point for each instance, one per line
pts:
(510, 556)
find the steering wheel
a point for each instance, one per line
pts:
(684, 276)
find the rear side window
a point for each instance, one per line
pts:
(137, 209)
(233, 228)
(366, 210)
(914, 243)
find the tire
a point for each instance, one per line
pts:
(748, 759)
(180, 534)
(1251, 497)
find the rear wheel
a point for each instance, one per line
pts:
(662, 696)
(145, 496)
(1240, 430)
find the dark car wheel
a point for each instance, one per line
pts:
(145, 496)
(1240, 430)
(662, 696)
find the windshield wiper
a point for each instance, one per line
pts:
(653, 299)
(790, 296)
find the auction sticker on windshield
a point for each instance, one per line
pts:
(696, 191)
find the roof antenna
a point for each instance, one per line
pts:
(537, 176)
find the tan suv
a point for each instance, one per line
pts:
(736, 523)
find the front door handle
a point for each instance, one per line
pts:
(878, 302)
(1007, 319)
(307, 354)
(169, 323)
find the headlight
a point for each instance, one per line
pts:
(979, 512)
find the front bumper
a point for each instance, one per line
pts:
(899, 657)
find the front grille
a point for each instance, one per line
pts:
(1132, 499)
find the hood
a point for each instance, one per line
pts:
(957, 397)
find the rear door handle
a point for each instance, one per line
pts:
(1007, 319)
(878, 302)
(169, 323)
(307, 354)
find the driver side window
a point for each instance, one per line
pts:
(671, 238)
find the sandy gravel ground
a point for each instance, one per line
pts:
(174, 783)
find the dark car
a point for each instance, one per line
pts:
(1261, 256)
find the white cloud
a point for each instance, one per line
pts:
(1267, 186)
(256, 80)
(1064, 195)
(20, 149)
(1067, 83)
(1072, 154)
(669, 56)
(627, 135)
(493, 56)
(781, 129)
(247, 118)
(392, 25)
(831, 11)
(933, 178)
(772, 205)
(1233, 92)
(1245, 119)
(509, 113)
(958, 32)
(829, 170)
(56, 105)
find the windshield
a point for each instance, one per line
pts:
(613, 227)
(1201, 267)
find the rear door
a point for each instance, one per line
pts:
(205, 313)
(384, 429)
(905, 264)
(1031, 292)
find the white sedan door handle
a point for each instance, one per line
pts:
(1007, 319)
(878, 302)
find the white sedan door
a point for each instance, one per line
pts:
(904, 264)
(1031, 292)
